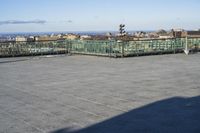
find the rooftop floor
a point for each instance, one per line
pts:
(66, 94)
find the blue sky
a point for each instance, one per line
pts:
(97, 15)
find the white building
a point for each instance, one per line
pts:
(20, 39)
(83, 37)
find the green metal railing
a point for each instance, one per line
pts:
(33, 48)
(111, 48)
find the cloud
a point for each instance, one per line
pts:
(96, 17)
(69, 21)
(22, 22)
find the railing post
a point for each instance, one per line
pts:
(122, 49)
(110, 51)
(69, 47)
(66, 47)
(175, 46)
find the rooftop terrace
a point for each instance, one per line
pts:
(86, 94)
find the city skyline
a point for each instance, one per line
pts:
(97, 15)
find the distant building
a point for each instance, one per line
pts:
(177, 33)
(161, 32)
(20, 39)
(85, 37)
(46, 38)
(140, 34)
(153, 35)
(167, 36)
(31, 39)
(71, 36)
(109, 36)
(191, 34)
(6, 38)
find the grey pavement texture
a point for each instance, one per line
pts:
(72, 94)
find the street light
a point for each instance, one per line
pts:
(122, 30)
(122, 33)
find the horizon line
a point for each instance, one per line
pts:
(82, 31)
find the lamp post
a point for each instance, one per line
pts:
(122, 34)
(122, 30)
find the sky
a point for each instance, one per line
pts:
(97, 15)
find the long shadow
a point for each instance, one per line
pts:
(174, 115)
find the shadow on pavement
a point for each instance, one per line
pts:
(174, 115)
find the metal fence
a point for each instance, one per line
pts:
(8, 49)
(134, 48)
(111, 48)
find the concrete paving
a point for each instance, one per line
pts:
(47, 94)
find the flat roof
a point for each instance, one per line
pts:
(72, 94)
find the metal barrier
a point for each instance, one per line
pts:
(110, 48)
(12, 49)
